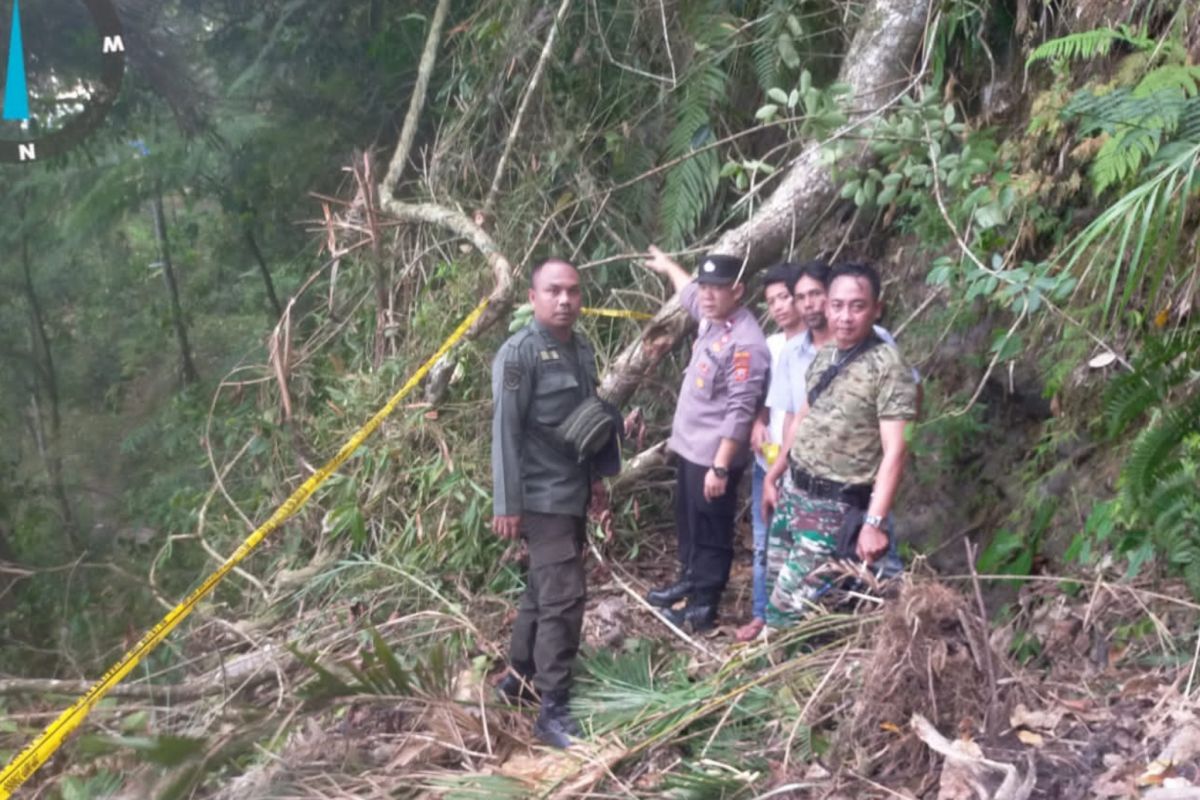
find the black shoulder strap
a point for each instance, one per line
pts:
(837, 367)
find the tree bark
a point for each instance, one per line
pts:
(500, 300)
(256, 251)
(530, 87)
(876, 68)
(164, 254)
(179, 692)
(43, 359)
(408, 131)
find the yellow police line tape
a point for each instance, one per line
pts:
(618, 313)
(40, 749)
(37, 752)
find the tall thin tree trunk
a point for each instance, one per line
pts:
(164, 254)
(256, 251)
(50, 446)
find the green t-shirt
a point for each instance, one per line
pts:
(839, 438)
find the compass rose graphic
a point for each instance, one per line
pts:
(59, 79)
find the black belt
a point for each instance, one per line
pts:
(856, 494)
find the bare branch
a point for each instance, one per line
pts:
(530, 88)
(408, 131)
(180, 692)
(500, 299)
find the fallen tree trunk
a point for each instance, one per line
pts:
(178, 692)
(240, 673)
(876, 68)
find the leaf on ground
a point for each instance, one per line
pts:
(1183, 747)
(1117, 781)
(548, 768)
(1030, 738)
(1174, 789)
(958, 781)
(1042, 720)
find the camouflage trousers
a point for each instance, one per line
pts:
(802, 539)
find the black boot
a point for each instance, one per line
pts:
(700, 614)
(555, 725)
(667, 596)
(517, 688)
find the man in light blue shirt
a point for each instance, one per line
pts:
(767, 432)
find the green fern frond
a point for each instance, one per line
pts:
(1139, 121)
(1175, 509)
(1138, 127)
(691, 129)
(1089, 44)
(1149, 460)
(1122, 155)
(630, 157)
(690, 187)
(1138, 235)
(765, 60)
(687, 193)
(764, 49)
(1127, 399)
(1169, 78)
(1189, 122)
(1191, 576)
(1163, 363)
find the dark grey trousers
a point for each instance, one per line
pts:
(546, 634)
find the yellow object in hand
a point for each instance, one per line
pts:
(771, 452)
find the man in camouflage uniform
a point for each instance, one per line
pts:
(539, 376)
(845, 451)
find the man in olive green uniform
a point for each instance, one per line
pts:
(845, 446)
(539, 376)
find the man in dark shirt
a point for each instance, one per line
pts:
(711, 431)
(539, 376)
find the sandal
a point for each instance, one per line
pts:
(750, 631)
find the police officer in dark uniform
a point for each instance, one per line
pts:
(717, 404)
(540, 376)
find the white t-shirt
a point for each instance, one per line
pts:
(778, 344)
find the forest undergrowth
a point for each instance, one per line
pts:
(1027, 183)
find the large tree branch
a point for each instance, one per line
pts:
(408, 131)
(500, 300)
(530, 88)
(876, 68)
(455, 221)
(237, 674)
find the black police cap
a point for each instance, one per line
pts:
(716, 268)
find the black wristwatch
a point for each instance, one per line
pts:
(720, 472)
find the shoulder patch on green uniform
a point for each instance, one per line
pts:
(512, 376)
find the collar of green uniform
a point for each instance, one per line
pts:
(549, 337)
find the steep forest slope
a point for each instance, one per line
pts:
(293, 204)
